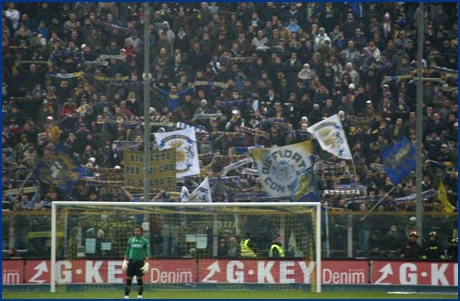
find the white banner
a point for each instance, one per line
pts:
(331, 136)
(202, 194)
(184, 141)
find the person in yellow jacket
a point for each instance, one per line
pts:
(52, 129)
(276, 248)
(248, 248)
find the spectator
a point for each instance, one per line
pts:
(453, 249)
(412, 249)
(364, 228)
(393, 242)
(377, 244)
(432, 248)
(248, 247)
(411, 226)
(276, 249)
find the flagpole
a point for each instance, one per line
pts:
(419, 122)
(146, 78)
(372, 209)
(327, 229)
(354, 168)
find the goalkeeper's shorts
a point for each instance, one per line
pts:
(134, 268)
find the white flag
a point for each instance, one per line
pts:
(331, 136)
(184, 195)
(184, 141)
(292, 246)
(202, 194)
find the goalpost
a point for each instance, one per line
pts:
(192, 245)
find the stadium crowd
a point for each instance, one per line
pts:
(243, 73)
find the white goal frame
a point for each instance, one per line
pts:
(55, 205)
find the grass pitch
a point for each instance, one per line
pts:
(227, 295)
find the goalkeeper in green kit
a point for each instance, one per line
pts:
(136, 261)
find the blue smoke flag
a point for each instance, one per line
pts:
(59, 168)
(399, 160)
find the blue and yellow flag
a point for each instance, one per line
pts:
(305, 187)
(399, 160)
(59, 168)
(286, 171)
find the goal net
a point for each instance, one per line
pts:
(192, 245)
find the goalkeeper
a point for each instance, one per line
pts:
(136, 261)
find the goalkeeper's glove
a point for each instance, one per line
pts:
(145, 268)
(124, 266)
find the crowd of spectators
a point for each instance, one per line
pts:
(276, 67)
(255, 74)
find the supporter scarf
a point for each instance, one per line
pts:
(34, 62)
(117, 27)
(65, 75)
(126, 124)
(206, 116)
(236, 165)
(210, 83)
(111, 78)
(108, 57)
(96, 63)
(255, 132)
(197, 128)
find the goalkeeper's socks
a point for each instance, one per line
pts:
(140, 288)
(126, 297)
(127, 290)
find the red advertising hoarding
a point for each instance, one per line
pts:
(281, 271)
(414, 273)
(12, 271)
(236, 271)
(95, 271)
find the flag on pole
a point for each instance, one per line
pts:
(399, 160)
(202, 194)
(292, 246)
(331, 137)
(305, 187)
(442, 197)
(184, 195)
(184, 141)
(59, 168)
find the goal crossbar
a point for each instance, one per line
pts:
(56, 204)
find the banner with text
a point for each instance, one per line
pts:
(415, 273)
(162, 169)
(280, 168)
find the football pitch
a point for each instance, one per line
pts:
(228, 295)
